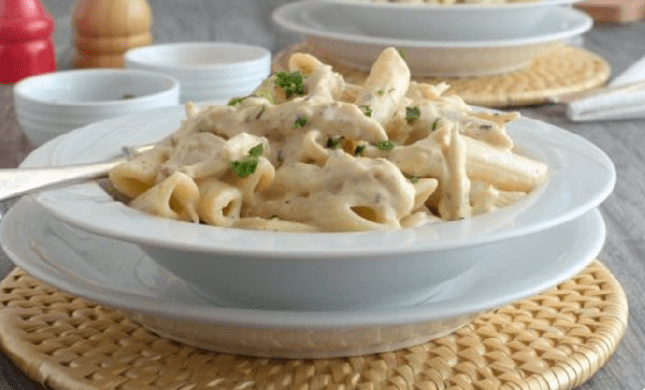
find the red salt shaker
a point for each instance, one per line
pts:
(26, 45)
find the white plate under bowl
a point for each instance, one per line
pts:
(332, 36)
(461, 21)
(321, 271)
(121, 276)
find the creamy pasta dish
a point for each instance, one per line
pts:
(310, 152)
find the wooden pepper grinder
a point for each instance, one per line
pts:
(26, 45)
(105, 29)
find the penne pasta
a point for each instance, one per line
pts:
(455, 202)
(423, 188)
(311, 152)
(385, 86)
(219, 204)
(258, 181)
(175, 197)
(136, 176)
(320, 80)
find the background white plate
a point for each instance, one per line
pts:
(119, 275)
(332, 35)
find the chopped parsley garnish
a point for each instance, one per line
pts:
(256, 151)
(261, 112)
(359, 150)
(413, 179)
(412, 113)
(403, 53)
(384, 145)
(244, 167)
(334, 143)
(292, 83)
(301, 121)
(435, 124)
(380, 92)
(237, 100)
(367, 110)
(247, 165)
(266, 91)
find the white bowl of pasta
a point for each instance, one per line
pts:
(315, 206)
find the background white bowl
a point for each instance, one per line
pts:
(52, 104)
(446, 21)
(207, 71)
(334, 38)
(326, 271)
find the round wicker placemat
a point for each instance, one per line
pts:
(555, 340)
(566, 69)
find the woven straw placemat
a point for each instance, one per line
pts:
(566, 69)
(555, 340)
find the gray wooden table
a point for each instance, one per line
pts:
(249, 21)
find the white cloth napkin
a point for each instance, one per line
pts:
(614, 104)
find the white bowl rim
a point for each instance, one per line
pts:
(21, 89)
(131, 56)
(89, 207)
(460, 7)
(286, 16)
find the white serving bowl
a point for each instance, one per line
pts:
(446, 21)
(52, 104)
(207, 71)
(327, 271)
(329, 34)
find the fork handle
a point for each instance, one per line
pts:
(19, 181)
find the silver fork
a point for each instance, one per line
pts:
(19, 181)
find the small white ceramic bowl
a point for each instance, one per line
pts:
(52, 104)
(207, 71)
(427, 21)
(328, 271)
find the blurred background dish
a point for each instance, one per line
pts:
(52, 104)
(207, 71)
(464, 21)
(332, 35)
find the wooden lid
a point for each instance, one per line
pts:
(102, 18)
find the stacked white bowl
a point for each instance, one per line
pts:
(438, 40)
(207, 71)
(52, 104)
